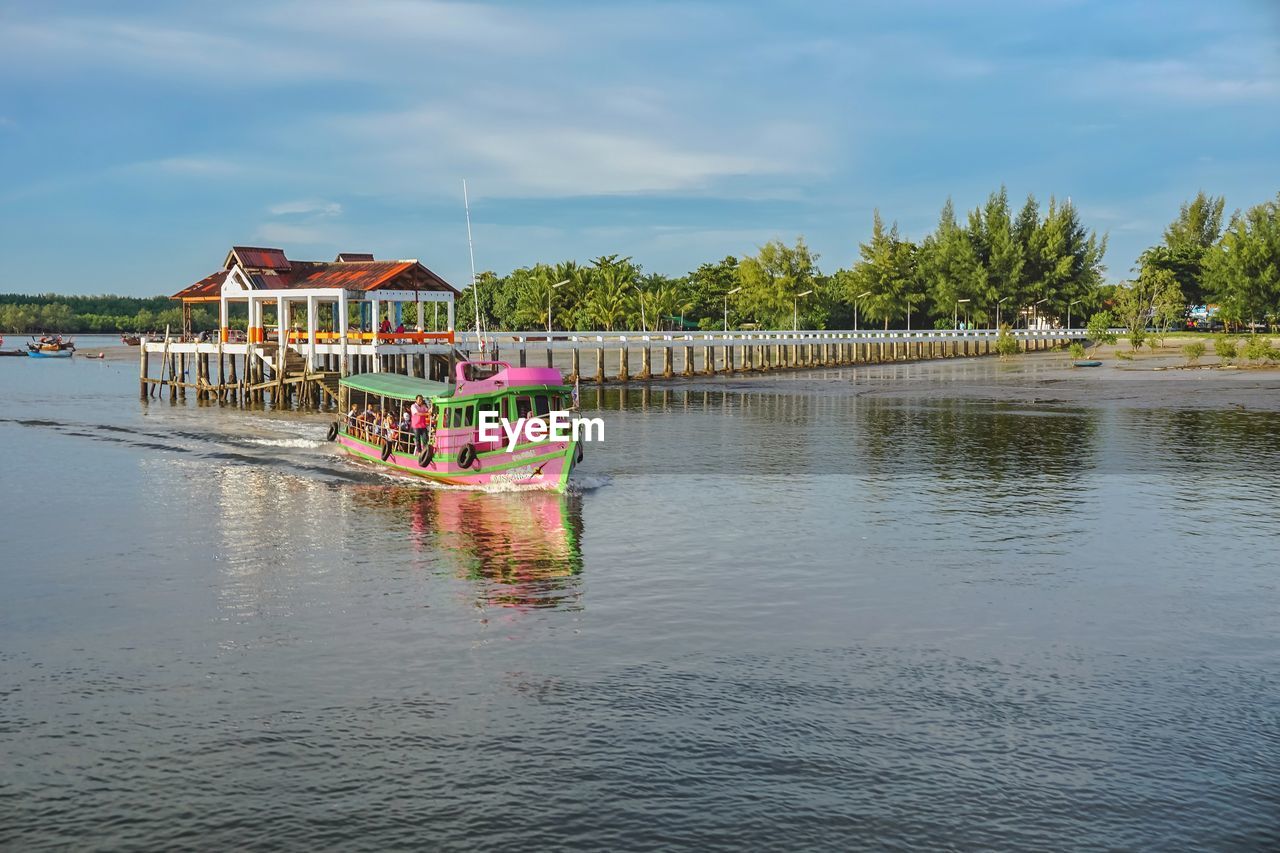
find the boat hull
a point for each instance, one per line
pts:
(62, 353)
(542, 466)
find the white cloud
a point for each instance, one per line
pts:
(299, 234)
(194, 166)
(521, 143)
(314, 207)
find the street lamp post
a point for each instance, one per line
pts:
(726, 306)
(998, 304)
(856, 300)
(549, 289)
(1069, 304)
(955, 315)
(1034, 312)
(795, 310)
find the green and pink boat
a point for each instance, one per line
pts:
(457, 453)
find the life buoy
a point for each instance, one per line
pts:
(424, 458)
(333, 431)
(386, 450)
(577, 457)
(466, 456)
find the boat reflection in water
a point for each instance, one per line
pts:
(520, 549)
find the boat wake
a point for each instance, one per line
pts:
(213, 446)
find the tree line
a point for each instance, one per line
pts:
(50, 312)
(989, 265)
(993, 264)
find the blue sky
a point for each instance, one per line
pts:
(138, 141)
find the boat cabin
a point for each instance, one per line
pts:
(511, 393)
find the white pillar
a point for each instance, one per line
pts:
(341, 326)
(222, 318)
(377, 323)
(311, 332)
(450, 305)
(282, 325)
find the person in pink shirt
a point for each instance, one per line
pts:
(419, 413)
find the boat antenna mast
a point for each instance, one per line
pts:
(471, 249)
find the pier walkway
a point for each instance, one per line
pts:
(305, 371)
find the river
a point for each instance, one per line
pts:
(791, 612)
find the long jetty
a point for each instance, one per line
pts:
(305, 372)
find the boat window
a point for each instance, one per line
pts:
(469, 416)
(541, 404)
(523, 406)
(489, 406)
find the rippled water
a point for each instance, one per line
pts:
(774, 613)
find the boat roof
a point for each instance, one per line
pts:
(396, 385)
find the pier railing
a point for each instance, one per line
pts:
(572, 340)
(308, 372)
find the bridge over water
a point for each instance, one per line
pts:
(305, 369)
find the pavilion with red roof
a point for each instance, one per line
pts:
(352, 289)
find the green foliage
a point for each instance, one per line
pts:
(1099, 328)
(886, 273)
(1006, 343)
(1154, 343)
(1193, 351)
(23, 314)
(772, 282)
(1242, 272)
(1258, 349)
(1124, 356)
(1225, 348)
(1187, 242)
(1077, 349)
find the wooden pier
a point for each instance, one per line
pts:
(305, 371)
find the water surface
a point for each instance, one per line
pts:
(782, 612)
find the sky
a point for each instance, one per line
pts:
(139, 141)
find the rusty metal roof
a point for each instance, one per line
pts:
(348, 275)
(254, 257)
(205, 288)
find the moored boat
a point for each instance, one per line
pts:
(457, 452)
(51, 344)
(131, 340)
(53, 353)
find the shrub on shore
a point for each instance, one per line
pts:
(1193, 351)
(1077, 349)
(1006, 343)
(1099, 329)
(1224, 347)
(1258, 349)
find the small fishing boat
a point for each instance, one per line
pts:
(131, 340)
(53, 353)
(21, 352)
(51, 343)
(1086, 364)
(456, 453)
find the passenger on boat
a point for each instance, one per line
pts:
(403, 427)
(385, 326)
(389, 431)
(419, 419)
(370, 422)
(353, 420)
